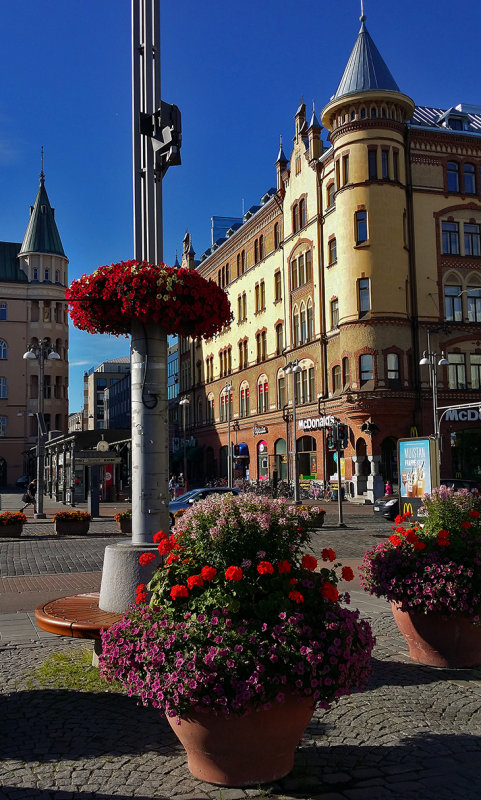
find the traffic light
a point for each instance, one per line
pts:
(236, 449)
(331, 438)
(343, 436)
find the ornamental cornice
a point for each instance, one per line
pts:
(366, 124)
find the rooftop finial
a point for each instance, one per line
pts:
(42, 173)
(362, 18)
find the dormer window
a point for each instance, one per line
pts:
(456, 123)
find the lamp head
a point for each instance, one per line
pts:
(424, 362)
(443, 361)
(29, 355)
(53, 356)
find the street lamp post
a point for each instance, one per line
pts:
(291, 368)
(228, 389)
(41, 351)
(430, 359)
(184, 403)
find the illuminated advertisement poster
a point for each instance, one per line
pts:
(418, 474)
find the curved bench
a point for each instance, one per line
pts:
(78, 616)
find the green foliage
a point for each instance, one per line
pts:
(71, 669)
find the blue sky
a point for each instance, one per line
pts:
(237, 71)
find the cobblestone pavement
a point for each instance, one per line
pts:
(416, 732)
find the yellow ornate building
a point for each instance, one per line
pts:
(366, 254)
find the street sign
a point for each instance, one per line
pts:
(100, 460)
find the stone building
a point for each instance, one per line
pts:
(366, 254)
(33, 277)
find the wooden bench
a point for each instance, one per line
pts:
(78, 616)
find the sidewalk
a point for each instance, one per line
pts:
(415, 733)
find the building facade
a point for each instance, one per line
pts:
(96, 381)
(366, 254)
(33, 277)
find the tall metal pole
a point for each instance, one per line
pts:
(155, 146)
(228, 388)
(40, 436)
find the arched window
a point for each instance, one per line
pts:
(277, 236)
(244, 400)
(210, 408)
(336, 378)
(393, 376)
(3, 387)
(453, 176)
(279, 338)
(294, 274)
(3, 349)
(373, 112)
(200, 411)
(303, 324)
(302, 213)
(281, 389)
(261, 247)
(262, 395)
(363, 113)
(310, 321)
(295, 326)
(345, 371)
(469, 179)
(295, 218)
(366, 368)
(330, 195)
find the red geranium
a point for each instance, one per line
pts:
(180, 300)
(395, 540)
(159, 536)
(347, 574)
(265, 568)
(208, 573)
(329, 591)
(328, 554)
(146, 558)
(284, 566)
(233, 573)
(179, 591)
(309, 562)
(164, 547)
(296, 597)
(194, 580)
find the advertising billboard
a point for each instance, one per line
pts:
(418, 465)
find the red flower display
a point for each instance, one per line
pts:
(309, 562)
(233, 574)
(296, 597)
(396, 540)
(146, 558)
(208, 573)
(160, 536)
(141, 593)
(328, 554)
(179, 300)
(164, 547)
(265, 568)
(284, 566)
(194, 580)
(347, 574)
(179, 591)
(329, 591)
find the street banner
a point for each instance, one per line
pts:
(418, 465)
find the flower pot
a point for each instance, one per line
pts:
(124, 525)
(11, 531)
(74, 527)
(439, 640)
(317, 521)
(244, 751)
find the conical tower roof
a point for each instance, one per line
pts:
(366, 69)
(42, 235)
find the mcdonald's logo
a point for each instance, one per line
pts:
(413, 433)
(408, 509)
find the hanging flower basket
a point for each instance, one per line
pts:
(179, 300)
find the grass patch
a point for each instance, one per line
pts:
(72, 670)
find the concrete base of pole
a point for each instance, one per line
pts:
(122, 573)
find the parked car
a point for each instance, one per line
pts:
(460, 483)
(22, 482)
(186, 500)
(386, 506)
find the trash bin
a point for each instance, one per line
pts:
(334, 494)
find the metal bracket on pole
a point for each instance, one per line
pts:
(164, 127)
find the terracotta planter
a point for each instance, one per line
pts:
(124, 525)
(317, 522)
(438, 640)
(244, 751)
(11, 531)
(74, 527)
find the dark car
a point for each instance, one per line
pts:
(460, 483)
(386, 506)
(22, 482)
(189, 498)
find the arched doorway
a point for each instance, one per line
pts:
(280, 459)
(389, 460)
(210, 465)
(262, 461)
(307, 457)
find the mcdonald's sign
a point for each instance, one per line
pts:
(408, 509)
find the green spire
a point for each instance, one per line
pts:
(42, 235)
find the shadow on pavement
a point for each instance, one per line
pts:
(399, 673)
(50, 725)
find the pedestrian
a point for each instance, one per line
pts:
(29, 497)
(173, 487)
(388, 488)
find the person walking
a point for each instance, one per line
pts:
(30, 497)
